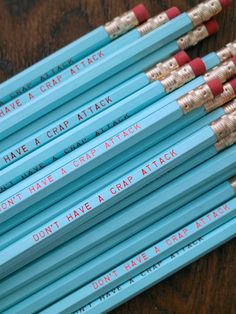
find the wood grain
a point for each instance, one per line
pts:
(32, 29)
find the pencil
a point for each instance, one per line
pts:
(71, 53)
(88, 130)
(154, 231)
(85, 132)
(87, 111)
(168, 114)
(147, 151)
(184, 42)
(111, 163)
(161, 270)
(49, 84)
(122, 158)
(117, 61)
(115, 192)
(186, 188)
(139, 262)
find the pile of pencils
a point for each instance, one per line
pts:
(117, 162)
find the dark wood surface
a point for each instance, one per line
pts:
(32, 29)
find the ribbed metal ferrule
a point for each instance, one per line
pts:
(227, 95)
(195, 99)
(121, 24)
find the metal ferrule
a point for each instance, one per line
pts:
(227, 95)
(224, 126)
(230, 107)
(227, 52)
(226, 142)
(195, 99)
(204, 11)
(224, 72)
(162, 69)
(153, 23)
(178, 78)
(233, 183)
(193, 38)
(121, 24)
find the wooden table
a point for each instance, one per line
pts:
(32, 29)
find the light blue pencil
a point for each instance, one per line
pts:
(139, 262)
(151, 233)
(127, 155)
(84, 253)
(37, 220)
(109, 165)
(197, 181)
(71, 192)
(136, 132)
(73, 52)
(82, 133)
(49, 84)
(117, 61)
(110, 195)
(161, 270)
(89, 110)
(184, 42)
(90, 129)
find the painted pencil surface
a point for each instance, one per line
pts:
(75, 118)
(109, 165)
(202, 143)
(122, 187)
(105, 120)
(226, 96)
(49, 84)
(189, 125)
(84, 253)
(184, 42)
(143, 260)
(128, 154)
(145, 126)
(113, 64)
(113, 116)
(89, 130)
(212, 173)
(161, 270)
(132, 245)
(73, 52)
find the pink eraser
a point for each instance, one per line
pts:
(234, 60)
(233, 84)
(141, 13)
(182, 58)
(215, 86)
(173, 12)
(212, 26)
(225, 3)
(198, 66)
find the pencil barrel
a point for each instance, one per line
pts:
(119, 165)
